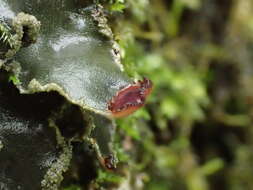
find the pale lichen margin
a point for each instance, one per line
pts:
(18, 23)
(30, 21)
(34, 86)
(98, 15)
(54, 175)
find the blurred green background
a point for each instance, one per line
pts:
(195, 132)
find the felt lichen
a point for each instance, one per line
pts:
(14, 34)
(25, 21)
(54, 175)
(73, 64)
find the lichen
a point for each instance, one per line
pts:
(73, 57)
(26, 136)
(19, 22)
(99, 17)
(25, 20)
(35, 86)
(54, 175)
(93, 78)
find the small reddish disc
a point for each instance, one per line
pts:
(130, 98)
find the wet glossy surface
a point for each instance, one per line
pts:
(29, 145)
(70, 52)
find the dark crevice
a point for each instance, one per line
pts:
(37, 105)
(71, 121)
(83, 167)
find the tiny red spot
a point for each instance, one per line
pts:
(130, 98)
(110, 162)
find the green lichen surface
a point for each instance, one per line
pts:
(103, 134)
(73, 55)
(60, 46)
(29, 147)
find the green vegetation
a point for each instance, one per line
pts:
(195, 131)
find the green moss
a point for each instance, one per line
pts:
(14, 79)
